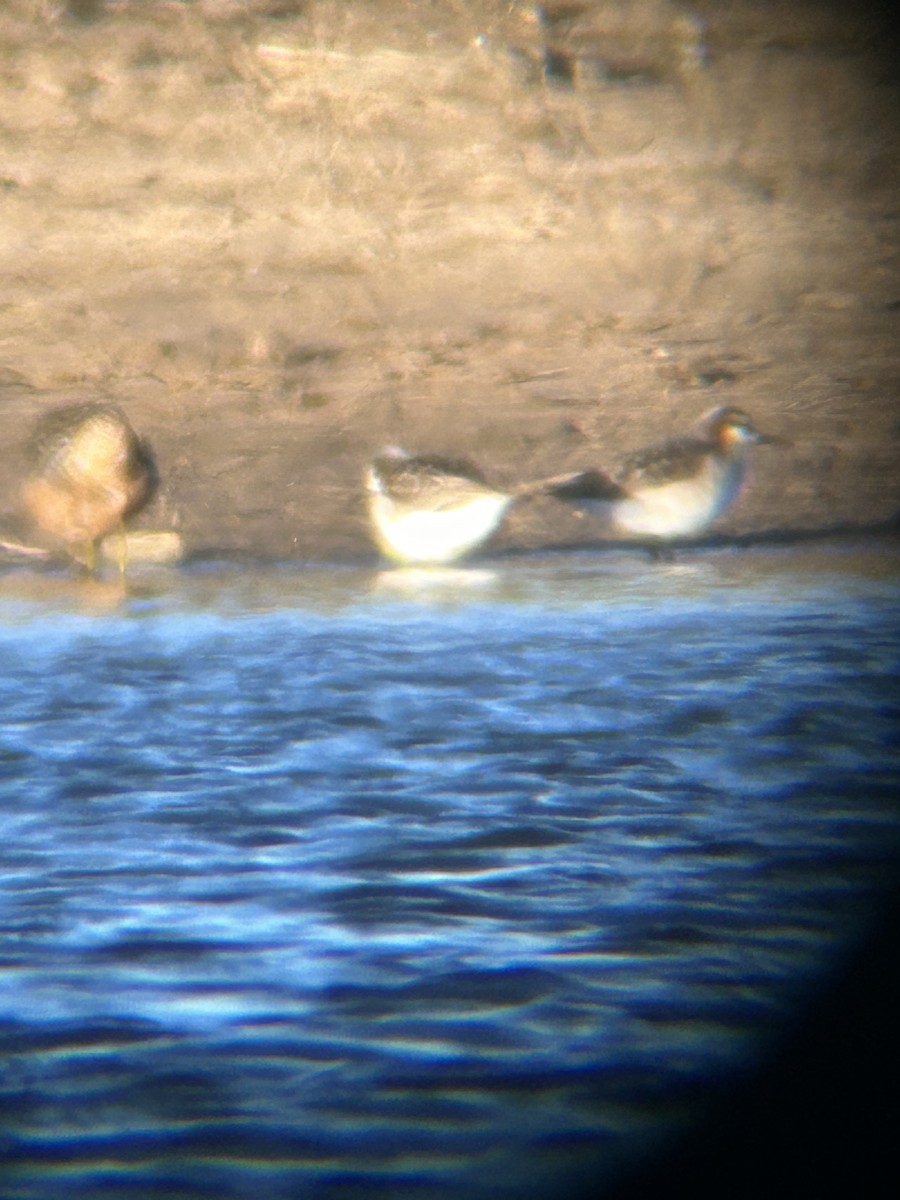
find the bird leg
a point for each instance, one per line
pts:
(660, 552)
(90, 556)
(122, 556)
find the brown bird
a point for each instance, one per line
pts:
(88, 472)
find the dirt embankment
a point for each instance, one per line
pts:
(280, 234)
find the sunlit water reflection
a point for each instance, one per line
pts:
(319, 881)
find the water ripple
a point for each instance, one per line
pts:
(414, 893)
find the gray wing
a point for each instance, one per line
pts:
(430, 482)
(681, 458)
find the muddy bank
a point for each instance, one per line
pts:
(282, 234)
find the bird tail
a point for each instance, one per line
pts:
(590, 486)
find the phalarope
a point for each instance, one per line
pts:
(677, 488)
(88, 471)
(431, 510)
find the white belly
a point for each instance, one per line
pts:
(681, 508)
(440, 536)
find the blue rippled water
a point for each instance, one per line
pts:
(320, 883)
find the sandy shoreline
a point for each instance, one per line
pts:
(280, 241)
